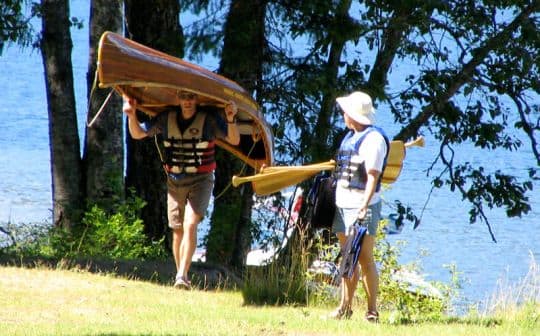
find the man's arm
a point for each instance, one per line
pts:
(371, 184)
(130, 109)
(233, 135)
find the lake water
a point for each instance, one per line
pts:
(444, 234)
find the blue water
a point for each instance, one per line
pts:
(444, 234)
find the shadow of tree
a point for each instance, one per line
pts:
(204, 276)
(115, 334)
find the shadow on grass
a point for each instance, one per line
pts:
(487, 322)
(204, 276)
(115, 334)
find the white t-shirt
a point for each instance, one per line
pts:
(372, 152)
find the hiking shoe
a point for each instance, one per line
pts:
(372, 316)
(182, 283)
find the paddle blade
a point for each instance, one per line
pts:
(394, 162)
(273, 179)
(396, 156)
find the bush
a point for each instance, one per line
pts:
(116, 235)
(405, 303)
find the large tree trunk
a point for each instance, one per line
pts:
(103, 156)
(155, 24)
(229, 239)
(56, 49)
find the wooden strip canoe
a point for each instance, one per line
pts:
(155, 79)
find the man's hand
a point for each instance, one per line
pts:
(130, 107)
(362, 212)
(230, 111)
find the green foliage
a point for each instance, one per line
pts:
(24, 238)
(323, 286)
(288, 280)
(116, 235)
(14, 26)
(409, 304)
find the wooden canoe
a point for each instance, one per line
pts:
(155, 79)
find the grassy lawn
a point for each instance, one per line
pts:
(44, 301)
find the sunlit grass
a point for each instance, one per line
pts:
(43, 301)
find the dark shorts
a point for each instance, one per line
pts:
(195, 188)
(345, 218)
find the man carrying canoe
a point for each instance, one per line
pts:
(189, 135)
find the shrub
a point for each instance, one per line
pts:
(428, 301)
(116, 235)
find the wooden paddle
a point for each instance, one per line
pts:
(272, 179)
(394, 164)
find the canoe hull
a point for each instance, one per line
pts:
(155, 79)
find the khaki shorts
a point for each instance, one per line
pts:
(195, 188)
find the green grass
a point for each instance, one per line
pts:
(45, 301)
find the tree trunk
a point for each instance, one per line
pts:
(318, 149)
(56, 46)
(229, 239)
(155, 24)
(103, 156)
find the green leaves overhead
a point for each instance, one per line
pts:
(465, 72)
(14, 25)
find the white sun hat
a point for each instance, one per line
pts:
(359, 107)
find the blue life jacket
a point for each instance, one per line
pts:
(354, 173)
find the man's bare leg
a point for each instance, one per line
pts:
(176, 241)
(189, 240)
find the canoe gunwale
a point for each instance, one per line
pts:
(114, 71)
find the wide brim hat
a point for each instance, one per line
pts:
(359, 107)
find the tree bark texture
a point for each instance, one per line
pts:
(103, 156)
(155, 24)
(229, 239)
(56, 46)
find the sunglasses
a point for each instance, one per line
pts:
(188, 96)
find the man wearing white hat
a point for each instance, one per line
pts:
(360, 162)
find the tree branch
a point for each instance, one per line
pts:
(466, 73)
(476, 203)
(529, 130)
(397, 29)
